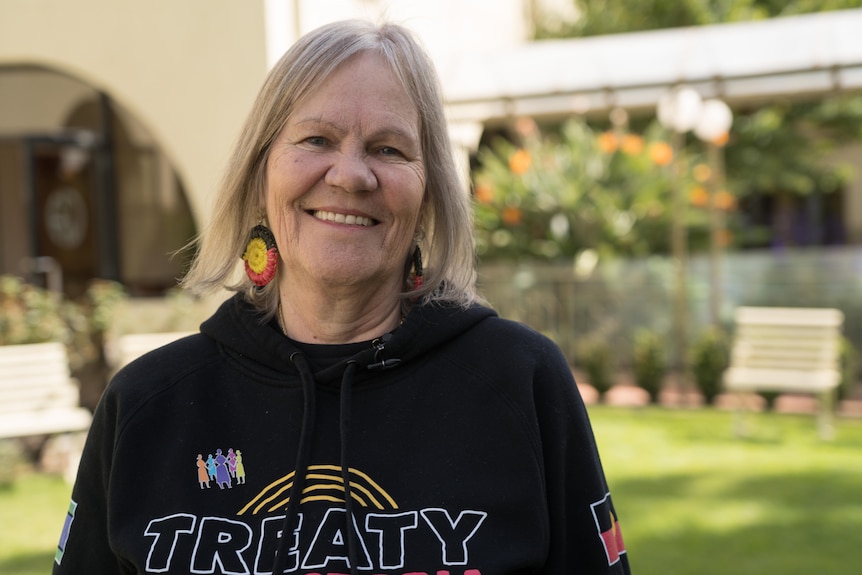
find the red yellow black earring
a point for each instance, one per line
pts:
(417, 268)
(261, 256)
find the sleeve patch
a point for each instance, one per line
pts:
(608, 528)
(64, 536)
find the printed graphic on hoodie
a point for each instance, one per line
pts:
(184, 542)
(609, 528)
(322, 483)
(64, 535)
(222, 470)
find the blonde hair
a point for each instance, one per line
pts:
(447, 246)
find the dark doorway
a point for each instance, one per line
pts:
(64, 212)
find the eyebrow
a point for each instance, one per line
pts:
(316, 121)
(389, 129)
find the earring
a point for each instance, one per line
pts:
(260, 256)
(417, 268)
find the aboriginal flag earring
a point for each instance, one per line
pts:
(260, 256)
(417, 268)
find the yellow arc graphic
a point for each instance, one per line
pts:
(323, 483)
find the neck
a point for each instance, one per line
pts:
(311, 316)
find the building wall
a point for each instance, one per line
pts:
(187, 70)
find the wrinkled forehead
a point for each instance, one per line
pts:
(306, 88)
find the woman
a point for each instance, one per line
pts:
(388, 422)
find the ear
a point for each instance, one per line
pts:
(419, 233)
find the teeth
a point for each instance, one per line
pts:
(343, 218)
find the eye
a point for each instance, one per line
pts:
(316, 140)
(390, 151)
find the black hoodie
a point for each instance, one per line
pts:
(466, 446)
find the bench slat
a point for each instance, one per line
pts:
(790, 364)
(21, 376)
(790, 336)
(52, 350)
(790, 380)
(26, 400)
(795, 316)
(44, 422)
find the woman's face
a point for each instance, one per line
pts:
(346, 180)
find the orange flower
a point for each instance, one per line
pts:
(632, 144)
(724, 200)
(520, 161)
(608, 142)
(701, 172)
(484, 193)
(698, 196)
(661, 153)
(721, 140)
(511, 215)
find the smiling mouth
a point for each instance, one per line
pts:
(348, 219)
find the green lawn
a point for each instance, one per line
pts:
(693, 499)
(32, 511)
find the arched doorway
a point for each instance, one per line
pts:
(85, 190)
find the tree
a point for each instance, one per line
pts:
(780, 153)
(555, 194)
(777, 153)
(598, 17)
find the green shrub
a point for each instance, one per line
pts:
(650, 362)
(595, 357)
(710, 356)
(849, 364)
(31, 314)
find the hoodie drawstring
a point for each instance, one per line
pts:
(304, 452)
(302, 457)
(346, 386)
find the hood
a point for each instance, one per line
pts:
(240, 329)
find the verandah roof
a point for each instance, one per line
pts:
(799, 56)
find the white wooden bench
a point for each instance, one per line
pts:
(38, 396)
(790, 350)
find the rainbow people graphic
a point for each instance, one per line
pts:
(221, 469)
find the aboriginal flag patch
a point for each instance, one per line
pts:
(609, 528)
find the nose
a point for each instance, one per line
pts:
(351, 173)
